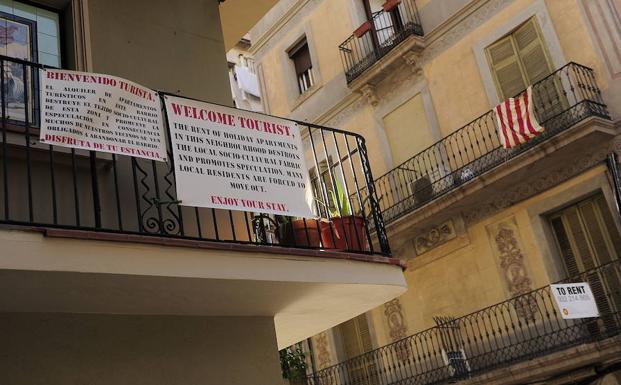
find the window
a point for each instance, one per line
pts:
(300, 55)
(519, 60)
(29, 33)
(587, 237)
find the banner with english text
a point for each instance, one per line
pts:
(233, 159)
(101, 113)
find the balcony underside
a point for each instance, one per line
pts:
(588, 136)
(305, 294)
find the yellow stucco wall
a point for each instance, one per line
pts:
(407, 129)
(469, 277)
(326, 25)
(463, 275)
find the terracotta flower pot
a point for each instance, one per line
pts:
(300, 232)
(346, 233)
(364, 28)
(390, 5)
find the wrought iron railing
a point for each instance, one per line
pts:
(562, 99)
(383, 32)
(49, 186)
(522, 328)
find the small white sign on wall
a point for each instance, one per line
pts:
(575, 300)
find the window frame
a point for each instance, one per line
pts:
(517, 55)
(305, 79)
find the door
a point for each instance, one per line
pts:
(587, 237)
(356, 339)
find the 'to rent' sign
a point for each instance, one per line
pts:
(575, 300)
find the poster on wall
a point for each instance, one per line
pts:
(575, 300)
(239, 160)
(17, 41)
(101, 113)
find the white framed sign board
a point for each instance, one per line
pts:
(99, 112)
(234, 159)
(575, 300)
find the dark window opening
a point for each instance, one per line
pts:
(300, 55)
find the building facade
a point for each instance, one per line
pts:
(106, 278)
(483, 229)
(243, 77)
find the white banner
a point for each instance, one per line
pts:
(234, 159)
(101, 113)
(575, 300)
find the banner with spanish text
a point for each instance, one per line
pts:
(100, 113)
(239, 160)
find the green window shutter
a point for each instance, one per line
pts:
(505, 64)
(596, 232)
(532, 52)
(608, 223)
(564, 245)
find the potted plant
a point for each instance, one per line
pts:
(304, 232)
(346, 230)
(293, 365)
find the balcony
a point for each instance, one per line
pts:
(53, 187)
(376, 38)
(563, 99)
(483, 343)
(92, 232)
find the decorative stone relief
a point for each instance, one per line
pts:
(368, 91)
(320, 343)
(397, 327)
(507, 245)
(435, 237)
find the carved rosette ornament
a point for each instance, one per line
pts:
(397, 327)
(507, 244)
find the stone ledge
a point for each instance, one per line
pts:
(201, 244)
(572, 361)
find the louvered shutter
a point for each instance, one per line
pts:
(532, 52)
(566, 250)
(549, 101)
(599, 242)
(577, 233)
(505, 64)
(586, 236)
(357, 341)
(609, 224)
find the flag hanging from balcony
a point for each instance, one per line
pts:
(516, 120)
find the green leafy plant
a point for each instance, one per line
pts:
(339, 200)
(292, 363)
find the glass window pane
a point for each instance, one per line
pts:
(24, 10)
(49, 60)
(47, 22)
(3, 37)
(6, 6)
(47, 44)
